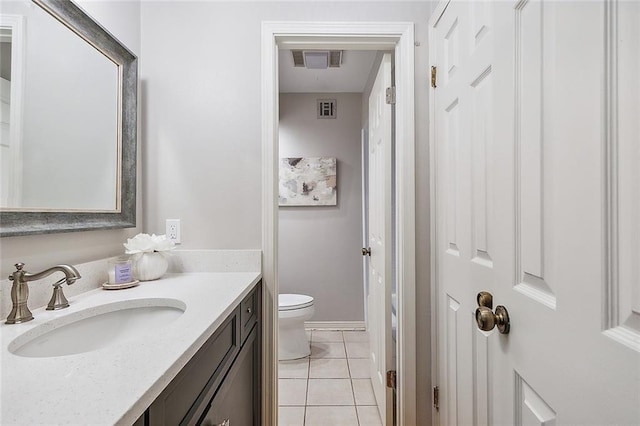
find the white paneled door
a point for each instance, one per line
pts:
(537, 202)
(379, 238)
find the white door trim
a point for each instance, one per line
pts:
(435, 418)
(435, 17)
(398, 36)
(364, 158)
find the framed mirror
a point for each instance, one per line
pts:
(69, 122)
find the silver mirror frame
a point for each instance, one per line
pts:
(16, 223)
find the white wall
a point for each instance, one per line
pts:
(202, 147)
(122, 19)
(319, 247)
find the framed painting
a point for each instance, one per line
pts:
(308, 181)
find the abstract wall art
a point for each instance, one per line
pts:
(308, 181)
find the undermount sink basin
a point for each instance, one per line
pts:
(97, 328)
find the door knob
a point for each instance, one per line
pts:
(366, 251)
(485, 299)
(486, 319)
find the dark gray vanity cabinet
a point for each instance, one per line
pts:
(221, 383)
(238, 398)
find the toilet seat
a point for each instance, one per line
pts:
(291, 302)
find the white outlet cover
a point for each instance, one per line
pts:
(173, 230)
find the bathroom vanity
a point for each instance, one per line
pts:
(220, 385)
(201, 364)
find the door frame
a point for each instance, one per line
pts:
(433, 211)
(397, 36)
(364, 178)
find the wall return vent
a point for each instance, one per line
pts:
(327, 108)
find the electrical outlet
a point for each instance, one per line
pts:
(173, 230)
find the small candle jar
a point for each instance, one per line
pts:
(120, 270)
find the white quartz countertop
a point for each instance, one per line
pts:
(115, 384)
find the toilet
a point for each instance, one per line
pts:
(293, 311)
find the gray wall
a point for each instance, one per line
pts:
(201, 109)
(122, 19)
(5, 60)
(319, 247)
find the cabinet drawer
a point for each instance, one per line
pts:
(179, 401)
(250, 311)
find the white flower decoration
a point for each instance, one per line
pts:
(145, 243)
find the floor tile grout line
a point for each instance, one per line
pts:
(344, 344)
(353, 393)
(355, 408)
(306, 398)
(304, 415)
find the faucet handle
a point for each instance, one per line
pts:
(59, 282)
(58, 300)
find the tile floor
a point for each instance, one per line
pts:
(331, 386)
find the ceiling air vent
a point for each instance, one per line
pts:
(327, 108)
(335, 58)
(317, 59)
(298, 58)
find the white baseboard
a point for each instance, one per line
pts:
(335, 325)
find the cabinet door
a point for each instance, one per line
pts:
(237, 401)
(183, 398)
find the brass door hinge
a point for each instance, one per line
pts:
(391, 95)
(434, 72)
(436, 398)
(391, 379)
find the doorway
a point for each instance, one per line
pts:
(379, 36)
(320, 230)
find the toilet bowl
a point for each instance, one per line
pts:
(293, 311)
